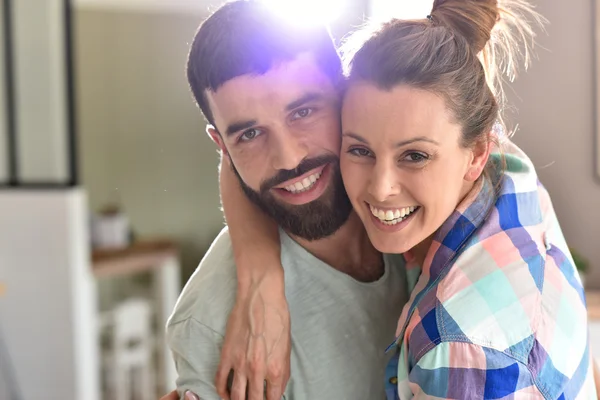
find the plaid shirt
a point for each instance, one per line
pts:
(498, 310)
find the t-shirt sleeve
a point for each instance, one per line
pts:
(196, 350)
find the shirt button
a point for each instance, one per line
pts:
(394, 380)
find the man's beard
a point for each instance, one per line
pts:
(312, 221)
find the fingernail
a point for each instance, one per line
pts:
(190, 396)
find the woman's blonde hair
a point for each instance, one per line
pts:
(462, 51)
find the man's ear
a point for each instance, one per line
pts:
(216, 137)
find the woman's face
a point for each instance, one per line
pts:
(403, 166)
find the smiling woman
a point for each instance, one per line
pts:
(410, 157)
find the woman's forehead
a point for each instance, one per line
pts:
(400, 111)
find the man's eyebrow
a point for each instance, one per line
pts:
(238, 126)
(303, 100)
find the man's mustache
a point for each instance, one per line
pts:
(306, 165)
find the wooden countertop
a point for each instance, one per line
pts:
(143, 255)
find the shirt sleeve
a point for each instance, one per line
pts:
(457, 370)
(196, 351)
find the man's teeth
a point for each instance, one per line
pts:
(305, 184)
(392, 217)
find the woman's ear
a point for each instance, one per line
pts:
(480, 155)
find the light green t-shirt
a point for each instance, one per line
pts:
(340, 326)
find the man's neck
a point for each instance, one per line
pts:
(348, 250)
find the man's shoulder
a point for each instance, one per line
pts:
(209, 294)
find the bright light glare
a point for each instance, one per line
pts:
(308, 12)
(383, 10)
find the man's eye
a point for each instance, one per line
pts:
(303, 113)
(249, 135)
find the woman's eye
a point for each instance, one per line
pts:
(360, 152)
(416, 157)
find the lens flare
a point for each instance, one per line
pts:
(308, 12)
(383, 10)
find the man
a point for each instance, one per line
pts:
(270, 92)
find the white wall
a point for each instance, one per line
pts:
(48, 312)
(142, 139)
(556, 117)
(147, 5)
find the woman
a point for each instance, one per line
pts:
(496, 308)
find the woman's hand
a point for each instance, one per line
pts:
(257, 342)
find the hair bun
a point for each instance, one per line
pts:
(474, 20)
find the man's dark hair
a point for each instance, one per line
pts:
(247, 37)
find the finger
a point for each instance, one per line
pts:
(276, 381)
(274, 391)
(257, 368)
(191, 396)
(256, 382)
(238, 388)
(221, 379)
(171, 396)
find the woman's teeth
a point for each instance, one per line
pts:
(304, 185)
(392, 217)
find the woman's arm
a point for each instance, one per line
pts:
(257, 342)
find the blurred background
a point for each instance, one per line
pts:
(108, 182)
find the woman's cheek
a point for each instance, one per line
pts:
(355, 176)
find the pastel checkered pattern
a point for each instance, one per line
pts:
(497, 310)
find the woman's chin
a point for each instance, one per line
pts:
(390, 243)
(388, 237)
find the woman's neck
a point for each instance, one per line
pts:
(419, 252)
